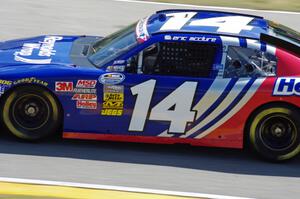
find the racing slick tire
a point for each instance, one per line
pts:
(31, 113)
(274, 133)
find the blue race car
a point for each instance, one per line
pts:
(178, 76)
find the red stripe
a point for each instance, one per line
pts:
(156, 140)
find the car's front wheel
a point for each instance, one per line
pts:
(275, 133)
(31, 113)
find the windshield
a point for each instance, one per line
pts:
(113, 45)
(285, 33)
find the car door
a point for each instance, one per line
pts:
(174, 89)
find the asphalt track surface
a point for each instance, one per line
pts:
(178, 167)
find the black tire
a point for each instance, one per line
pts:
(31, 113)
(274, 133)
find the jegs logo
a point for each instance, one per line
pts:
(287, 86)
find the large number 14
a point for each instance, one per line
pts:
(176, 107)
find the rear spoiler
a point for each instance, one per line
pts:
(280, 43)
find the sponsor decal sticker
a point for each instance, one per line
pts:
(141, 30)
(116, 68)
(187, 38)
(44, 49)
(113, 97)
(121, 61)
(4, 85)
(86, 84)
(85, 90)
(85, 104)
(113, 100)
(5, 82)
(111, 78)
(287, 86)
(112, 104)
(64, 86)
(31, 80)
(112, 112)
(84, 97)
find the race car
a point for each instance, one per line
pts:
(204, 78)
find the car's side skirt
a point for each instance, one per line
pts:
(155, 140)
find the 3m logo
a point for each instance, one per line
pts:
(287, 86)
(86, 83)
(64, 86)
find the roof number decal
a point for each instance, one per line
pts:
(177, 20)
(228, 24)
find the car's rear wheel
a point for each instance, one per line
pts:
(275, 133)
(31, 113)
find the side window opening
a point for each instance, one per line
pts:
(246, 62)
(177, 59)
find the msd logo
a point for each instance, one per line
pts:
(287, 86)
(86, 83)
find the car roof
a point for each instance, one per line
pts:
(206, 22)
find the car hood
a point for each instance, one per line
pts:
(43, 50)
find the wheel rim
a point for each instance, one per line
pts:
(30, 112)
(278, 132)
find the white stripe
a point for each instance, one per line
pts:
(116, 188)
(241, 103)
(271, 49)
(254, 44)
(235, 91)
(212, 94)
(165, 134)
(209, 7)
(230, 41)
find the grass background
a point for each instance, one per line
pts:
(286, 5)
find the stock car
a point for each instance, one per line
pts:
(204, 78)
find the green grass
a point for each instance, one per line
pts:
(284, 5)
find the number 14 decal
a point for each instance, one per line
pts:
(228, 24)
(176, 107)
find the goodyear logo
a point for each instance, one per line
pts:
(287, 86)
